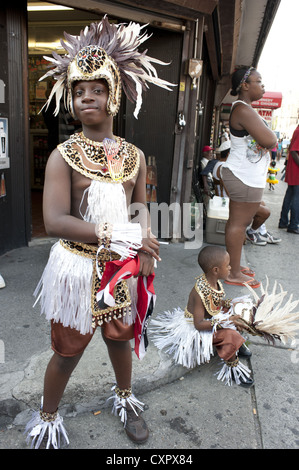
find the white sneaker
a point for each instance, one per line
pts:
(269, 238)
(255, 238)
(2, 282)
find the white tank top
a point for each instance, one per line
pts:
(247, 161)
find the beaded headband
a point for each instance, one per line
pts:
(105, 51)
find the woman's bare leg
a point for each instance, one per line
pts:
(240, 216)
(261, 216)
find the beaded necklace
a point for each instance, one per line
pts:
(91, 158)
(210, 297)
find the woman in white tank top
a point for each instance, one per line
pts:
(244, 172)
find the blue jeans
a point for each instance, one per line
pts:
(290, 204)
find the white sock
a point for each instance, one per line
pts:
(263, 230)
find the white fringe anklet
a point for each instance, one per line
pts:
(233, 371)
(44, 426)
(121, 400)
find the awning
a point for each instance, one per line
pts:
(270, 100)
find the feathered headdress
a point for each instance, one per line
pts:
(105, 51)
(268, 317)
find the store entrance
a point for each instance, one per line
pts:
(153, 132)
(46, 132)
(43, 136)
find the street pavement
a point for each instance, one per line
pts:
(186, 411)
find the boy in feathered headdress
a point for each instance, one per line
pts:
(91, 179)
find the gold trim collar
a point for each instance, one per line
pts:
(88, 158)
(210, 297)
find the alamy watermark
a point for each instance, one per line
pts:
(174, 221)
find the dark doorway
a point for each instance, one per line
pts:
(153, 131)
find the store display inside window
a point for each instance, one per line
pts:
(46, 130)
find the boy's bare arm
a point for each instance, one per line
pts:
(196, 307)
(57, 204)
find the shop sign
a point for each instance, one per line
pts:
(270, 100)
(266, 114)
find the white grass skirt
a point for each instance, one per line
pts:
(64, 290)
(172, 332)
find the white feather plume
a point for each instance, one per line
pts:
(272, 318)
(121, 43)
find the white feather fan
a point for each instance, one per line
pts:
(269, 317)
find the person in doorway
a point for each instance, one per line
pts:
(206, 172)
(223, 150)
(91, 179)
(289, 217)
(245, 171)
(207, 155)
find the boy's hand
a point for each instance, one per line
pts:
(235, 319)
(147, 264)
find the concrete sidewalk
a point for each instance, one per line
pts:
(184, 410)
